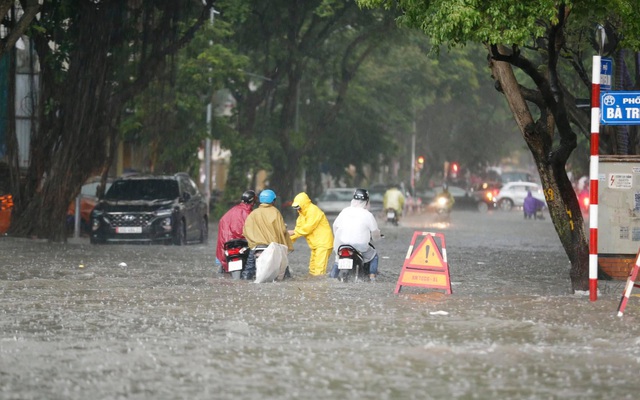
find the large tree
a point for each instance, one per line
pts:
(16, 19)
(302, 53)
(361, 85)
(95, 56)
(536, 39)
(168, 119)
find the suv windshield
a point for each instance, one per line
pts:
(143, 189)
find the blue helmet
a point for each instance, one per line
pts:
(267, 196)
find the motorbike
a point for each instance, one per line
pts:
(236, 252)
(351, 261)
(443, 207)
(392, 216)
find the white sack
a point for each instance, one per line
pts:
(272, 263)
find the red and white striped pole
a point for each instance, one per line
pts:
(593, 175)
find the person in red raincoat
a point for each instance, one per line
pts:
(231, 225)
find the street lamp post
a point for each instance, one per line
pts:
(207, 157)
(413, 157)
(207, 142)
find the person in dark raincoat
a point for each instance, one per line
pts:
(314, 226)
(231, 225)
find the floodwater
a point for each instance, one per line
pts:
(166, 326)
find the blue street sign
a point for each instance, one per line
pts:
(620, 108)
(606, 72)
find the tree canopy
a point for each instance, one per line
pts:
(543, 41)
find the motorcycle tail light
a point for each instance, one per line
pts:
(346, 253)
(585, 201)
(234, 252)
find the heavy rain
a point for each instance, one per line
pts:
(321, 97)
(131, 321)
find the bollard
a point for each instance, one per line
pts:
(76, 217)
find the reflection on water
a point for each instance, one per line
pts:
(166, 326)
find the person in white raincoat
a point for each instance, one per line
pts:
(356, 226)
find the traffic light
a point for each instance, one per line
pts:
(454, 169)
(420, 162)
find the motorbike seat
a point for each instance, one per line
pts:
(234, 243)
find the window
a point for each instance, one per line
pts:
(143, 189)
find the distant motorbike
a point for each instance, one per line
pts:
(443, 207)
(392, 216)
(351, 262)
(236, 252)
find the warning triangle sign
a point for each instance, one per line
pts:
(426, 255)
(425, 267)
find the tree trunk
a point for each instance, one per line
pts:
(72, 147)
(564, 208)
(283, 177)
(81, 99)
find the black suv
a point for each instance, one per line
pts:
(144, 208)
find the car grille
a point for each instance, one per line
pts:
(130, 219)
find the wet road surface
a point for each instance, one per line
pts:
(167, 326)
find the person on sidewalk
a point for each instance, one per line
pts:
(356, 226)
(263, 226)
(231, 225)
(312, 224)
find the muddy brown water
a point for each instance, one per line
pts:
(166, 326)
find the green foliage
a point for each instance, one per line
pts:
(303, 56)
(169, 117)
(455, 22)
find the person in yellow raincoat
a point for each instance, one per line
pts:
(393, 198)
(314, 226)
(264, 225)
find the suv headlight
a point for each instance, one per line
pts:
(164, 212)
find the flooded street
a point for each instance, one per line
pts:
(166, 326)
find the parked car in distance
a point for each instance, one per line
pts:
(148, 208)
(375, 201)
(88, 200)
(426, 196)
(334, 200)
(485, 195)
(513, 193)
(516, 176)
